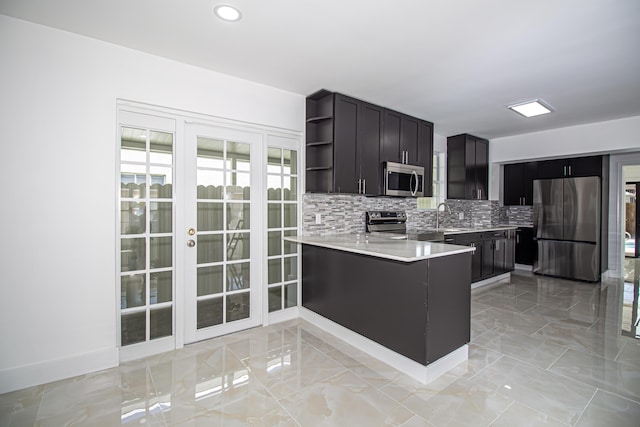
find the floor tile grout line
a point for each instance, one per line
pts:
(586, 406)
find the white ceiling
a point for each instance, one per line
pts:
(457, 63)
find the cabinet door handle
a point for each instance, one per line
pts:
(359, 186)
(564, 171)
(569, 170)
(517, 238)
(364, 186)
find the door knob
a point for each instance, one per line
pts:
(191, 243)
(191, 231)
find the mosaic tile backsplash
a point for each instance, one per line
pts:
(343, 213)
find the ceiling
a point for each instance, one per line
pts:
(457, 63)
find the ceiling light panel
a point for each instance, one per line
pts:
(531, 108)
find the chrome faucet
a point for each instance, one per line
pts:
(438, 213)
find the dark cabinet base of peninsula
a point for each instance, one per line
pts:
(420, 309)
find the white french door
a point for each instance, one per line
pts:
(220, 230)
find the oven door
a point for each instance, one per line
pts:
(403, 180)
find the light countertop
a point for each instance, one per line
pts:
(398, 250)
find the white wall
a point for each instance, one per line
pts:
(57, 166)
(616, 136)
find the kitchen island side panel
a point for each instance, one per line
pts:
(449, 304)
(383, 300)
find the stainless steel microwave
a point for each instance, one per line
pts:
(403, 180)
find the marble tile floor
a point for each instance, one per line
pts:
(544, 352)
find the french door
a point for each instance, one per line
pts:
(220, 237)
(202, 209)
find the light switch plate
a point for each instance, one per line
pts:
(461, 215)
(318, 218)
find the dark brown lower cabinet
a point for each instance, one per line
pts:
(494, 252)
(525, 246)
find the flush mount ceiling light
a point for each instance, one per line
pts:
(531, 108)
(227, 13)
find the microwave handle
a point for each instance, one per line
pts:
(414, 175)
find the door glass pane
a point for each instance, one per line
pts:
(238, 246)
(238, 216)
(133, 145)
(132, 291)
(133, 327)
(290, 191)
(290, 215)
(290, 295)
(237, 306)
(133, 218)
(210, 216)
(160, 322)
(238, 276)
(160, 288)
(161, 220)
(238, 151)
(161, 252)
(210, 191)
(290, 268)
(274, 216)
(209, 280)
(161, 179)
(274, 187)
(133, 254)
(238, 186)
(209, 312)
(275, 298)
(210, 153)
(275, 270)
(210, 248)
(161, 148)
(290, 247)
(274, 160)
(133, 180)
(274, 243)
(290, 160)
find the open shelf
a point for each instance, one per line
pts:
(318, 119)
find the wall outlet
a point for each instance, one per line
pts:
(318, 218)
(460, 215)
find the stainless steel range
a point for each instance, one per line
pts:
(393, 225)
(388, 224)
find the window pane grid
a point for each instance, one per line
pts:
(146, 235)
(282, 221)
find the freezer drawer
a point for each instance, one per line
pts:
(571, 260)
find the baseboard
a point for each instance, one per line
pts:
(282, 316)
(524, 267)
(490, 281)
(53, 370)
(422, 373)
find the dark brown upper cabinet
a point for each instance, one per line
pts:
(408, 140)
(575, 167)
(347, 141)
(518, 183)
(467, 167)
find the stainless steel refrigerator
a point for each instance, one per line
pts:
(566, 225)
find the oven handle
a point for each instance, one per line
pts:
(414, 174)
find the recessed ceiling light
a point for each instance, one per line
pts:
(226, 12)
(531, 108)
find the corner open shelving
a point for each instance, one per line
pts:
(319, 142)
